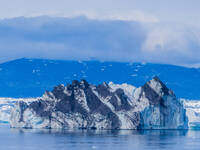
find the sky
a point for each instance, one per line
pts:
(157, 31)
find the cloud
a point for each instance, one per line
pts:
(81, 38)
(129, 15)
(62, 38)
(100, 10)
(174, 44)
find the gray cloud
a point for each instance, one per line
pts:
(106, 40)
(186, 11)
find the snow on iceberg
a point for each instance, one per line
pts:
(7, 104)
(193, 113)
(106, 106)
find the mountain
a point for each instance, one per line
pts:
(105, 106)
(31, 77)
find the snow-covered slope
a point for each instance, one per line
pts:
(106, 106)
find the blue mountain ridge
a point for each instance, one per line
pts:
(31, 77)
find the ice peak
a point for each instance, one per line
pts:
(157, 85)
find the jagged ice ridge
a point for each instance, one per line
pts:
(106, 106)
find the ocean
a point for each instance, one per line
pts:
(51, 139)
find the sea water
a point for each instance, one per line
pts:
(46, 139)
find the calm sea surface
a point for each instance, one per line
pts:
(31, 139)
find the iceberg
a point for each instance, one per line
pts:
(6, 106)
(81, 105)
(192, 108)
